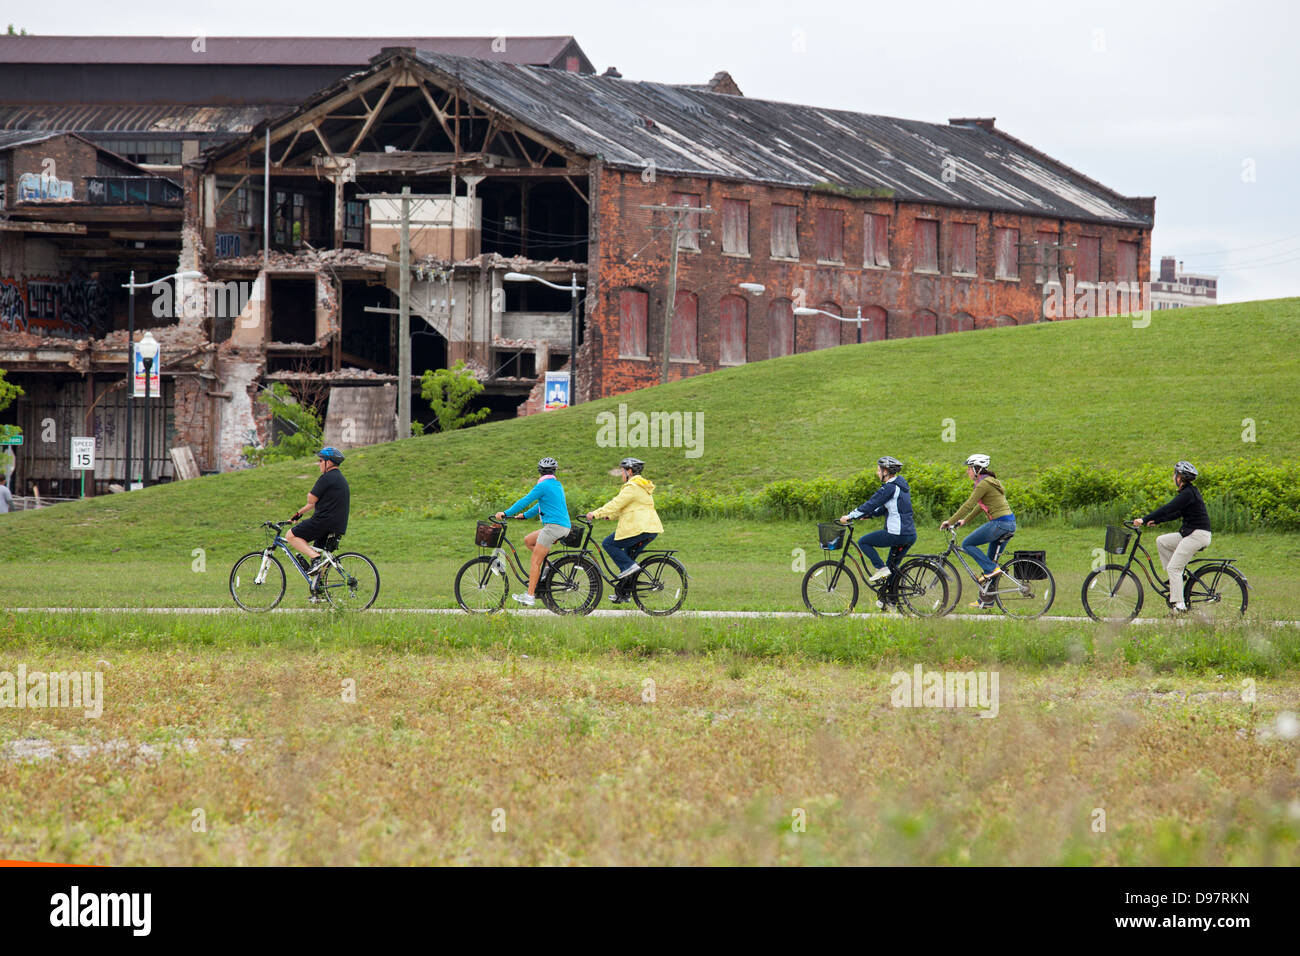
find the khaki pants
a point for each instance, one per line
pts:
(1175, 552)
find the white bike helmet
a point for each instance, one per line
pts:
(978, 461)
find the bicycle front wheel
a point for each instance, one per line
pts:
(481, 584)
(660, 586)
(830, 589)
(1217, 592)
(1026, 594)
(573, 585)
(351, 586)
(257, 581)
(1112, 594)
(922, 588)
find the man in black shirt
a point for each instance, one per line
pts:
(330, 497)
(1177, 548)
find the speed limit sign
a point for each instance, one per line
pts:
(83, 454)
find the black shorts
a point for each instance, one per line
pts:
(314, 530)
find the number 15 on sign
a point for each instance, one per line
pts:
(83, 458)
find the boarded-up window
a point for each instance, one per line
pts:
(785, 232)
(826, 330)
(1047, 257)
(1126, 262)
(1087, 259)
(632, 305)
(963, 248)
(689, 237)
(1007, 254)
(925, 322)
(780, 328)
(926, 241)
(684, 344)
(733, 332)
(874, 319)
(735, 226)
(830, 235)
(875, 241)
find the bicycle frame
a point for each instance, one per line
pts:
(960, 555)
(513, 562)
(602, 559)
(1158, 583)
(862, 562)
(282, 545)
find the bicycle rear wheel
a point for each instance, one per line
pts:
(481, 584)
(830, 589)
(1218, 593)
(1028, 594)
(254, 589)
(1112, 594)
(922, 588)
(351, 586)
(573, 585)
(660, 586)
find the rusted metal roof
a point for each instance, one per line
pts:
(136, 119)
(682, 131)
(279, 51)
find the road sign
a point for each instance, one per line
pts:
(83, 454)
(11, 440)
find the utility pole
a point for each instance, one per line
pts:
(405, 197)
(676, 216)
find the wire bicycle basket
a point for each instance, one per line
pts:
(488, 534)
(1117, 539)
(831, 535)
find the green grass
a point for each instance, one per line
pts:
(1092, 389)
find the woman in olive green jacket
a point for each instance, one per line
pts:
(638, 524)
(989, 495)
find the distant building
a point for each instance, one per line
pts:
(1177, 289)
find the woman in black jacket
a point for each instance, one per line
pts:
(1177, 548)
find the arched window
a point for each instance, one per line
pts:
(780, 329)
(874, 330)
(960, 322)
(684, 346)
(633, 305)
(733, 332)
(925, 322)
(826, 331)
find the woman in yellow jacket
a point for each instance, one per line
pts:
(638, 524)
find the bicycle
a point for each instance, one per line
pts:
(1024, 589)
(1114, 593)
(483, 583)
(659, 588)
(348, 582)
(830, 588)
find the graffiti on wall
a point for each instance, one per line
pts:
(228, 245)
(74, 306)
(38, 187)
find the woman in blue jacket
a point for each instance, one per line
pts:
(894, 501)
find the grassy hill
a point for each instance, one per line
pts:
(1095, 389)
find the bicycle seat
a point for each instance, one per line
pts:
(331, 542)
(1004, 538)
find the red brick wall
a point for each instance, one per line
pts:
(73, 159)
(625, 252)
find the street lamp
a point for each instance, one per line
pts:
(130, 352)
(148, 352)
(573, 289)
(806, 311)
(755, 288)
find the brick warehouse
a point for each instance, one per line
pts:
(925, 228)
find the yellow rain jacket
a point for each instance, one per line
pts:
(634, 506)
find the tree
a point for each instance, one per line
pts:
(305, 435)
(448, 391)
(8, 392)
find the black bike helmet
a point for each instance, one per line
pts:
(1187, 470)
(633, 465)
(547, 466)
(890, 464)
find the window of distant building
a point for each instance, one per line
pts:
(963, 248)
(875, 241)
(735, 227)
(1126, 262)
(148, 152)
(830, 235)
(633, 305)
(685, 344)
(926, 242)
(689, 236)
(1007, 254)
(785, 232)
(1087, 263)
(734, 332)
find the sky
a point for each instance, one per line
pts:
(1195, 103)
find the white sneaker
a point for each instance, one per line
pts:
(526, 599)
(880, 575)
(631, 571)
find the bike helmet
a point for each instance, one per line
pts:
(633, 465)
(890, 464)
(547, 466)
(330, 453)
(1187, 470)
(978, 461)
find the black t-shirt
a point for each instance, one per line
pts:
(332, 500)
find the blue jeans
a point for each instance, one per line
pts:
(897, 543)
(625, 550)
(987, 533)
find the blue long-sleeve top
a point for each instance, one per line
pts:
(546, 497)
(894, 501)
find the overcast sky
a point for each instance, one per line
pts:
(1196, 103)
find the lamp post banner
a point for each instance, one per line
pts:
(155, 380)
(556, 394)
